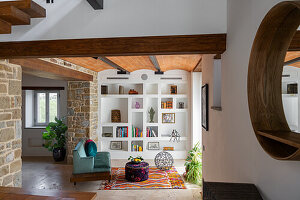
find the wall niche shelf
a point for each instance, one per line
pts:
(151, 93)
(265, 84)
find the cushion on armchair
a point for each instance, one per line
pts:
(90, 148)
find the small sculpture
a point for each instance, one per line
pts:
(151, 113)
(175, 136)
(137, 105)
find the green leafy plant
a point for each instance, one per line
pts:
(193, 165)
(55, 135)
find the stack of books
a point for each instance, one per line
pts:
(136, 132)
(151, 132)
(122, 131)
(136, 147)
(167, 104)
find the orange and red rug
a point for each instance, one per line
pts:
(158, 179)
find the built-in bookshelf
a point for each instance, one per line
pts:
(135, 130)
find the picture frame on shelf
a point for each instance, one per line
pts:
(153, 146)
(168, 118)
(116, 145)
(204, 106)
(173, 89)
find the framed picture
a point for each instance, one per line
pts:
(173, 89)
(168, 118)
(204, 106)
(153, 145)
(116, 145)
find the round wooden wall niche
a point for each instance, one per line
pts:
(270, 45)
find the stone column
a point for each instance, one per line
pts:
(10, 124)
(82, 113)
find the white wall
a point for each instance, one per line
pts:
(32, 137)
(232, 152)
(77, 19)
(196, 83)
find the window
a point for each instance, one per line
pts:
(46, 105)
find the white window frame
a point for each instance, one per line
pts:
(36, 123)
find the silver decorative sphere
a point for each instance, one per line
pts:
(164, 160)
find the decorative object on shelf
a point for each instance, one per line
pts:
(292, 88)
(167, 104)
(108, 134)
(104, 89)
(116, 116)
(137, 105)
(132, 91)
(204, 106)
(55, 139)
(136, 172)
(116, 145)
(144, 77)
(168, 148)
(122, 131)
(164, 160)
(153, 145)
(121, 89)
(173, 89)
(136, 160)
(175, 136)
(151, 132)
(168, 118)
(151, 114)
(181, 105)
(193, 165)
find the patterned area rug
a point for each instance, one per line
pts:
(158, 179)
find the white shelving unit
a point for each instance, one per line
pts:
(151, 92)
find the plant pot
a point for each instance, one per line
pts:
(59, 154)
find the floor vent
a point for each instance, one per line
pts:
(117, 78)
(171, 78)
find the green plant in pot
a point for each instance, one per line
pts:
(193, 165)
(136, 160)
(55, 139)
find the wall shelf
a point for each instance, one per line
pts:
(151, 93)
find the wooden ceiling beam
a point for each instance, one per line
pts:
(44, 69)
(295, 43)
(154, 45)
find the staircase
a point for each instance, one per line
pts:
(18, 13)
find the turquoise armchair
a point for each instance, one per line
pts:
(90, 168)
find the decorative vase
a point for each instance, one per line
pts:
(121, 89)
(59, 154)
(151, 113)
(137, 105)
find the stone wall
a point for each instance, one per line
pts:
(82, 107)
(10, 124)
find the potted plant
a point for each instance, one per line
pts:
(193, 165)
(55, 139)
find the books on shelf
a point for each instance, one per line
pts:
(122, 131)
(136, 132)
(136, 147)
(167, 104)
(151, 132)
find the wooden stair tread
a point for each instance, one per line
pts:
(5, 27)
(289, 138)
(47, 194)
(14, 15)
(30, 7)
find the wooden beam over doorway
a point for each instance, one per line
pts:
(44, 69)
(153, 45)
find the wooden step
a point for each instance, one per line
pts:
(30, 7)
(14, 16)
(5, 27)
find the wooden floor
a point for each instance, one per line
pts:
(44, 174)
